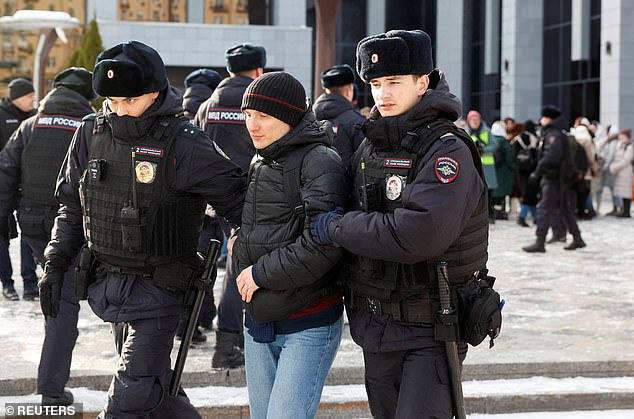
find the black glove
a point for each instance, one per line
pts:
(480, 145)
(50, 290)
(533, 178)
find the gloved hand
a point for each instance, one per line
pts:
(50, 286)
(480, 145)
(533, 178)
(319, 225)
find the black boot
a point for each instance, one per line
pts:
(626, 208)
(227, 354)
(559, 239)
(537, 247)
(522, 221)
(577, 243)
(66, 399)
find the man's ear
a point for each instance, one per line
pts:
(422, 84)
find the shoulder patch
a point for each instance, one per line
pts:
(446, 169)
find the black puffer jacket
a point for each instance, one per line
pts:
(346, 120)
(271, 237)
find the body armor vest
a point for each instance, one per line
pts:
(380, 281)
(43, 157)
(132, 218)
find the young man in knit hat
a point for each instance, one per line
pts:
(41, 143)
(137, 178)
(335, 105)
(221, 118)
(14, 109)
(419, 199)
(293, 301)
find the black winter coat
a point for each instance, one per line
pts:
(198, 169)
(231, 135)
(346, 121)
(10, 119)
(271, 237)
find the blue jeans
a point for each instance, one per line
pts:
(27, 268)
(285, 377)
(525, 209)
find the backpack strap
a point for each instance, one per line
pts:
(293, 179)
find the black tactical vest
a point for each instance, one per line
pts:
(392, 283)
(133, 220)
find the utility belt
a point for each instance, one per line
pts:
(175, 276)
(409, 310)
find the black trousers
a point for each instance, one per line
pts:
(554, 205)
(411, 384)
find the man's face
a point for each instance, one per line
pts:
(544, 121)
(474, 122)
(131, 106)
(395, 95)
(25, 103)
(264, 129)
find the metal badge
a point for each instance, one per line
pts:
(145, 171)
(394, 185)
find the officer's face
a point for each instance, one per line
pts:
(264, 129)
(131, 106)
(25, 103)
(395, 95)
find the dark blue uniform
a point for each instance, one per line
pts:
(144, 315)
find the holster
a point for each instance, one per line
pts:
(84, 272)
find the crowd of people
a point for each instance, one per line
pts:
(321, 209)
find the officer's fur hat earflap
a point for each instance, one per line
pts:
(129, 69)
(245, 57)
(394, 53)
(338, 75)
(78, 79)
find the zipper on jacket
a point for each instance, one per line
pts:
(255, 191)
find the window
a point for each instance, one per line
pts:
(218, 20)
(156, 15)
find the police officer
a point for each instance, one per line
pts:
(32, 159)
(199, 85)
(335, 105)
(137, 177)
(222, 119)
(13, 110)
(553, 166)
(419, 199)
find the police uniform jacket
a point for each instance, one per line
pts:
(10, 119)
(435, 209)
(68, 107)
(198, 168)
(222, 119)
(346, 120)
(553, 154)
(275, 240)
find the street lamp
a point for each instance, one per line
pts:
(51, 26)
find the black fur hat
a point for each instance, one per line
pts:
(394, 53)
(78, 79)
(338, 75)
(209, 78)
(551, 111)
(245, 57)
(129, 69)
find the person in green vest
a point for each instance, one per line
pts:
(487, 145)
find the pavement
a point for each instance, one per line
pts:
(567, 314)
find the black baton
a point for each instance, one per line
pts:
(208, 278)
(449, 319)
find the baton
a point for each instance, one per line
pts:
(208, 279)
(451, 348)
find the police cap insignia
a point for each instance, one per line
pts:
(446, 169)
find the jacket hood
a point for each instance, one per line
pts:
(330, 106)
(65, 101)
(194, 96)
(308, 131)
(230, 90)
(9, 107)
(437, 102)
(128, 128)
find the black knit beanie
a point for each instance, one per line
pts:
(20, 87)
(277, 94)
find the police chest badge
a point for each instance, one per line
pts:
(446, 169)
(145, 171)
(394, 185)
